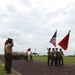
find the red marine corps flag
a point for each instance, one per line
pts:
(53, 39)
(64, 42)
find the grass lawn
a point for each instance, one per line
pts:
(2, 72)
(67, 60)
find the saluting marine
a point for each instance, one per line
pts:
(8, 55)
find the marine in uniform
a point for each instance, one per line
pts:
(31, 56)
(5, 55)
(8, 55)
(53, 56)
(57, 61)
(49, 56)
(61, 57)
(26, 54)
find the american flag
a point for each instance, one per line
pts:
(53, 39)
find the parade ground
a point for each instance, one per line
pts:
(21, 67)
(41, 68)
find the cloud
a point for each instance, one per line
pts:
(49, 6)
(31, 23)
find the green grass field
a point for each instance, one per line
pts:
(67, 60)
(2, 72)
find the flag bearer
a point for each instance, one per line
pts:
(53, 55)
(61, 57)
(49, 56)
(57, 57)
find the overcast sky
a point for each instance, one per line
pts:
(32, 23)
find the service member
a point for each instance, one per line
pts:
(61, 57)
(31, 56)
(8, 52)
(53, 56)
(49, 56)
